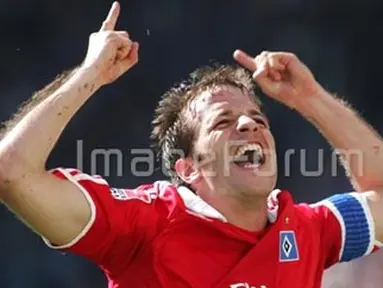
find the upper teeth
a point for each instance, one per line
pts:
(249, 147)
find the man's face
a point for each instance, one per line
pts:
(234, 145)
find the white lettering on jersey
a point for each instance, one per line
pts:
(127, 194)
(245, 285)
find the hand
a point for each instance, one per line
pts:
(282, 76)
(111, 53)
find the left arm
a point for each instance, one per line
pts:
(358, 144)
(283, 77)
(359, 147)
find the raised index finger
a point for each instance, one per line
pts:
(245, 60)
(111, 19)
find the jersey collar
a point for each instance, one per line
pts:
(197, 205)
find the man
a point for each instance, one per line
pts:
(220, 223)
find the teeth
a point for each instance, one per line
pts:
(249, 147)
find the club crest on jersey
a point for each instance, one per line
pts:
(288, 248)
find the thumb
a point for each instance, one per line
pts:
(132, 57)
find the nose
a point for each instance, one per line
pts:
(246, 124)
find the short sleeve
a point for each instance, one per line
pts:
(345, 226)
(121, 222)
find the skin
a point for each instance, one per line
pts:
(57, 210)
(54, 208)
(229, 118)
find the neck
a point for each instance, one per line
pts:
(246, 212)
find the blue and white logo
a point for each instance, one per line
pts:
(288, 248)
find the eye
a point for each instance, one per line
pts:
(222, 123)
(261, 121)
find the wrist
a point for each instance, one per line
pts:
(317, 103)
(90, 76)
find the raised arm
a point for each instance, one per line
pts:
(283, 77)
(52, 207)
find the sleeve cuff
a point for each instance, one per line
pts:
(74, 179)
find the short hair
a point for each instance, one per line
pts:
(172, 129)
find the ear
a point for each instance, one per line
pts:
(187, 171)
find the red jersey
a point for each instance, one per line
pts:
(159, 235)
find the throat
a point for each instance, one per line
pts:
(252, 220)
(245, 213)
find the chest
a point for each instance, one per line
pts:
(197, 254)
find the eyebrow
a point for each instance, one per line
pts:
(251, 112)
(258, 113)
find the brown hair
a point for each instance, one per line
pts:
(173, 130)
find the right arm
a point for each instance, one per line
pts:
(53, 207)
(40, 199)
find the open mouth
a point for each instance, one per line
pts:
(249, 156)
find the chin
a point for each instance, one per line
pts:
(255, 180)
(252, 187)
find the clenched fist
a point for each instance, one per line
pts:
(282, 76)
(111, 53)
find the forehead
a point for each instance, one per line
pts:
(224, 98)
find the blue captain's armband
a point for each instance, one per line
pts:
(356, 222)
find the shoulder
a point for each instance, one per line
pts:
(159, 195)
